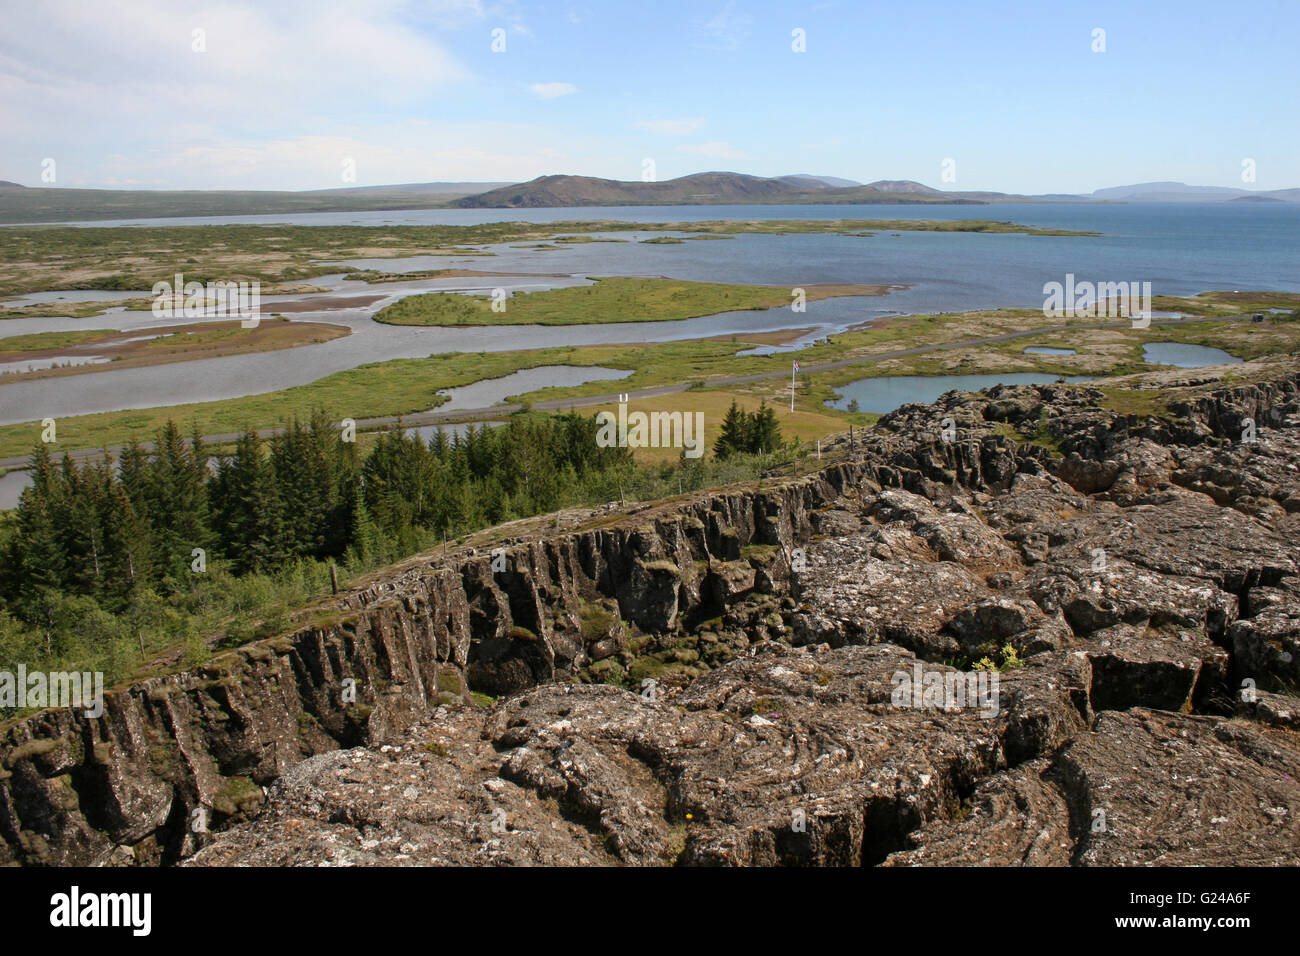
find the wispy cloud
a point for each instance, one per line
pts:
(508, 14)
(725, 29)
(410, 151)
(549, 91)
(672, 127)
(714, 150)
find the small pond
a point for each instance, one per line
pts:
(1185, 356)
(884, 394)
(492, 391)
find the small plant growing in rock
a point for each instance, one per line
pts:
(1011, 660)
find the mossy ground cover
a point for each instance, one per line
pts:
(179, 343)
(605, 301)
(40, 341)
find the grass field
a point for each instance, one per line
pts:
(805, 424)
(40, 341)
(608, 300)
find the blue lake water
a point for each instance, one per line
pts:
(72, 295)
(881, 395)
(1185, 356)
(492, 391)
(886, 393)
(12, 484)
(35, 365)
(1182, 249)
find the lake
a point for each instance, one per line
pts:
(1185, 356)
(1181, 249)
(886, 393)
(881, 395)
(492, 391)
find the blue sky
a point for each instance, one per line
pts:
(291, 94)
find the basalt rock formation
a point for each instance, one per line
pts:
(715, 679)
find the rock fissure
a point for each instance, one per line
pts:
(713, 680)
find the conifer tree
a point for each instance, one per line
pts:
(126, 545)
(731, 438)
(38, 559)
(178, 501)
(247, 509)
(765, 430)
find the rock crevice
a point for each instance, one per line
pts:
(1129, 574)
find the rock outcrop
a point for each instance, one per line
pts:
(1106, 607)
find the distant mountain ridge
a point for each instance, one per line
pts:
(560, 190)
(713, 188)
(817, 182)
(20, 203)
(1181, 192)
(59, 204)
(422, 189)
(740, 188)
(910, 186)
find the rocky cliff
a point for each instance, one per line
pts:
(713, 679)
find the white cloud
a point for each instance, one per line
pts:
(80, 80)
(549, 91)
(403, 151)
(677, 127)
(714, 150)
(256, 57)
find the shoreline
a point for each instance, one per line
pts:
(127, 349)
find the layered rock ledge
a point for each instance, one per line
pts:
(713, 679)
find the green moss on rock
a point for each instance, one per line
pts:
(238, 795)
(33, 748)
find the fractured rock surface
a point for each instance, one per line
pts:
(1145, 579)
(717, 680)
